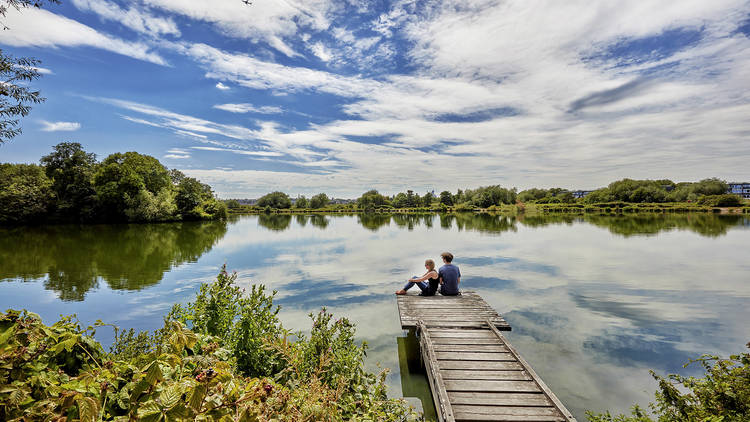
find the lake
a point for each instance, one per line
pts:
(594, 302)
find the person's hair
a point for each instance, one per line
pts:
(430, 264)
(447, 256)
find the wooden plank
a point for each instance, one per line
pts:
(499, 399)
(438, 333)
(478, 365)
(492, 386)
(563, 410)
(478, 417)
(465, 374)
(484, 348)
(462, 409)
(468, 356)
(440, 394)
(463, 340)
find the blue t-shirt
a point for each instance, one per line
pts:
(450, 275)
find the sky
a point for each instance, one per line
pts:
(343, 96)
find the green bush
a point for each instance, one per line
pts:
(60, 372)
(726, 200)
(723, 394)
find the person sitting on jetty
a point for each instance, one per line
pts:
(431, 276)
(450, 276)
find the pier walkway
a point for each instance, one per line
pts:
(473, 371)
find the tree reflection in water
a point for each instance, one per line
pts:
(74, 258)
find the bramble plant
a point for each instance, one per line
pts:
(194, 368)
(722, 395)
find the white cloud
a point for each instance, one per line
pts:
(269, 21)
(222, 87)
(248, 108)
(59, 126)
(177, 154)
(40, 28)
(134, 18)
(321, 51)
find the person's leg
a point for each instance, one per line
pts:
(407, 286)
(422, 286)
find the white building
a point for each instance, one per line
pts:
(741, 189)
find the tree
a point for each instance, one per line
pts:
(233, 204)
(446, 198)
(301, 202)
(427, 199)
(71, 170)
(400, 200)
(191, 194)
(15, 73)
(319, 201)
(122, 176)
(25, 193)
(278, 200)
(371, 200)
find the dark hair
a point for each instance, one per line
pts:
(447, 256)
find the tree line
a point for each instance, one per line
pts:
(710, 191)
(69, 185)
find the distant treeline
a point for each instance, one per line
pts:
(71, 186)
(709, 192)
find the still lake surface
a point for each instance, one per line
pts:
(594, 302)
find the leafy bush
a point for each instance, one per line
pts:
(723, 394)
(25, 193)
(277, 200)
(726, 200)
(192, 371)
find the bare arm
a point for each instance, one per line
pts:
(459, 281)
(424, 277)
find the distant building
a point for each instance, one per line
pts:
(580, 193)
(741, 189)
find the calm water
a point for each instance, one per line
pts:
(594, 302)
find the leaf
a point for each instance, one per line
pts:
(65, 344)
(154, 374)
(149, 411)
(88, 409)
(138, 390)
(196, 398)
(170, 396)
(5, 335)
(178, 413)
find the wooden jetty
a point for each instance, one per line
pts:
(474, 373)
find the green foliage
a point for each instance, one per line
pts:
(722, 394)
(177, 374)
(427, 199)
(546, 196)
(371, 200)
(72, 170)
(15, 94)
(319, 201)
(277, 200)
(487, 196)
(301, 202)
(25, 193)
(124, 187)
(233, 204)
(725, 200)
(446, 198)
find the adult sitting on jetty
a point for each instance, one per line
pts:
(450, 276)
(428, 289)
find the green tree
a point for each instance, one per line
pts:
(233, 204)
(301, 202)
(71, 170)
(25, 193)
(15, 75)
(278, 200)
(446, 198)
(371, 200)
(319, 201)
(427, 199)
(400, 200)
(121, 177)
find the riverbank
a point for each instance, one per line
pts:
(608, 208)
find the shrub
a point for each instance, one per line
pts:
(726, 200)
(723, 394)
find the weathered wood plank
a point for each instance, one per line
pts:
(467, 356)
(484, 348)
(464, 374)
(478, 365)
(461, 409)
(492, 386)
(463, 340)
(438, 333)
(478, 417)
(440, 394)
(499, 399)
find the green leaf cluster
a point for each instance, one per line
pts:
(223, 357)
(721, 395)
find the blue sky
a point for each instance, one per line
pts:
(345, 96)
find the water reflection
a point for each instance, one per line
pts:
(72, 259)
(594, 301)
